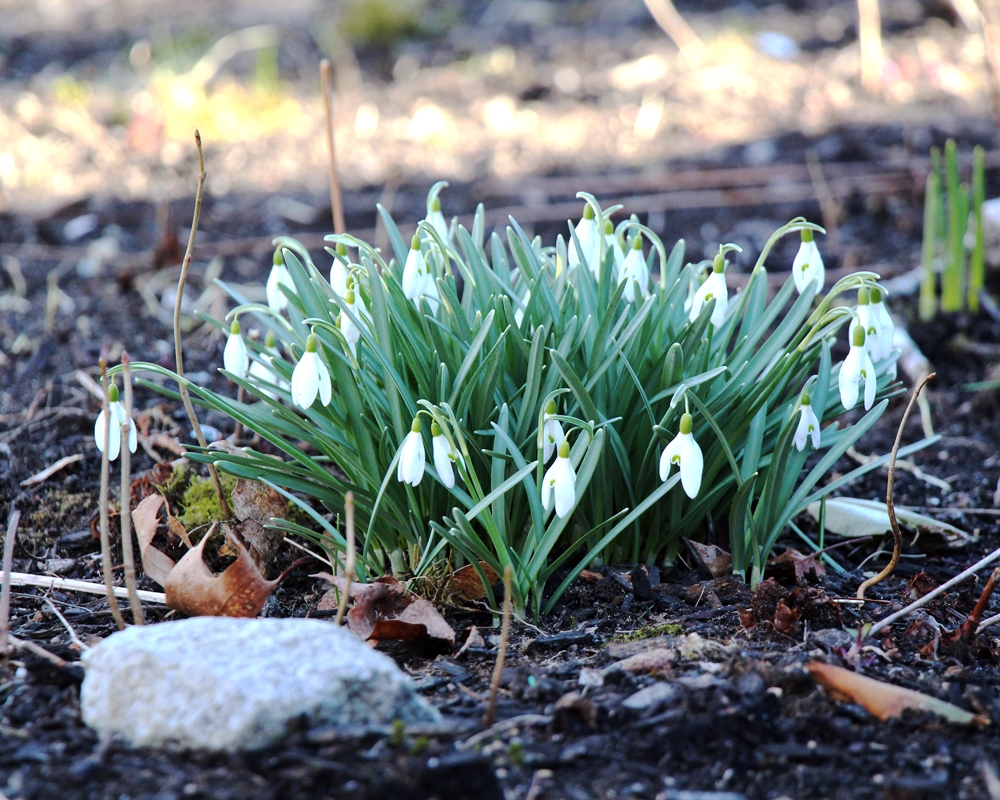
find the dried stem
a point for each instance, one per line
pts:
(128, 558)
(971, 625)
(491, 707)
(870, 37)
(69, 628)
(349, 566)
(897, 535)
(178, 350)
(70, 585)
(109, 582)
(336, 200)
(8, 557)
(676, 27)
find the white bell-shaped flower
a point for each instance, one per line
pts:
(589, 250)
(116, 412)
(868, 320)
(347, 327)
(339, 273)
(310, 377)
(280, 275)
(437, 220)
(262, 371)
(552, 432)
(445, 456)
(808, 264)
(714, 288)
(808, 426)
(634, 271)
(684, 451)
(412, 458)
(857, 366)
(612, 244)
(887, 329)
(235, 358)
(418, 279)
(559, 483)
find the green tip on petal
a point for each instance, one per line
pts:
(863, 296)
(805, 399)
(436, 205)
(719, 264)
(550, 407)
(113, 393)
(637, 242)
(435, 429)
(415, 425)
(876, 294)
(588, 212)
(415, 242)
(859, 337)
(349, 299)
(807, 235)
(608, 227)
(564, 448)
(279, 259)
(269, 339)
(312, 343)
(341, 249)
(234, 329)
(686, 423)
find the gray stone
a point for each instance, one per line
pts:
(652, 696)
(219, 683)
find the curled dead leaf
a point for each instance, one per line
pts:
(145, 520)
(716, 561)
(653, 662)
(465, 583)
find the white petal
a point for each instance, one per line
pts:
(547, 483)
(886, 326)
(565, 487)
(306, 380)
(553, 435)
(442, 460)
(99, 431)
(413, 274)
(808, 267)
(692, 464)
(808, 427)
(713, 287)
(666, 458)
(338, 277)
(412, 459)
(325, 394)
(276, 299)
(234, 357)
(871, 384)
(850, 371)
(437, 220)
(586, 235)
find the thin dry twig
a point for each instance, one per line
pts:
(971, 625)
(71, 585)
(109, 585)
(491, 707)
(41, 652)
(897, 534)
(178, 350)
(676, 27)
(49, 471)
(336, 199)
(8, 557)
(870, 37)
(349, 566)
(69, 628)
(128, 558)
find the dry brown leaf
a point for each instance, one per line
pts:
(257, 501)
(239, 591)
(800, 563)
(176, 527)
(422, 612)
(714, 559)
(465, 583)
(145, 520)
(652, 661)
(473, 638)
(884, 700)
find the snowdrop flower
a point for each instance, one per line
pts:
(552, 432)
(868, 320)
(611, 243)
(116, 412)
(412, 459)
(887, 328)
(590, 244)
(444, 456)
(339, 273)
(347, 327)
(808, 425)
(684, 451)
(437, 220)
(310, 376)
(280, 275)
(715, 288)
(808, 264)
(417, 278)
(856, 366)
(234, 357)
(633, 271)
(559, 483)
(519, 312)
(262, 371)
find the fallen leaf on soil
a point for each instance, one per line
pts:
(650, 662)
(465, 583)
(800, 563)
(145, 519)
(473, 638)
(590, 576)
(783, 608)
(714, 559)
(884, 700)
(854, 517)
(238, 591)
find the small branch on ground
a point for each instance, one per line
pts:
(336, 199)
(128, 558)
(971, 626)
(109, 581)
(491, 707)
(676, 27)
(8, 557)
(349, 566)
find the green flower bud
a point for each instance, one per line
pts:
(807, 235)
(415, 242)
(859, 336)
(415, 426)
(863, 296)
(279, 259)
(550, 407)
(686, 423)
(564, 449)
(673, 366)
(113, 393)
(435, 429)
(234, 329)
(588, 211)
(312, 343)
(719, 264)
(876, 294)
(804, 400)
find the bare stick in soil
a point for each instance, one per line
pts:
(69, 628)
(970, 627)
(349, 566)
(897, 535)
(178, 350)
(491, 707)
(336, 200)
(870, 36)
(71, 585)
(8, 557)
(109, 581)
(128, 558)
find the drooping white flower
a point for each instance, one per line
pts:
(263, 371)
(634, 271)
(437, 220)
(808, 264)
(808, 426)
(856, 366)
(589, 250)
(887, 329)
(552, 432)
(347, 327)
(280, 275)
(339, 272)
(868, 320)
(116, 412)
(418, 280)
(311, 376)
(412, 458)
(559, 483)
(684, 451)
(612, 244)
(235, 358)
(445, 456)
(714, 288)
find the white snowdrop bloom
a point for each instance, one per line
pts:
(552, 432)
(339, 274)
(808, 426)
(887, 329)
(263, 371)
(634, 271)
(116, 412)
(868, 320)
(311, 376)
(559, 483)
(684, 451)
(445, 456)
(808, 264)
(519, 312)
(418, 280)
(276, 300)
(437, 220)
(412, 458)
(235, 358)
(347, 327)
(611, 243)
(856, 366)
(589, 243)
(715, 288)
